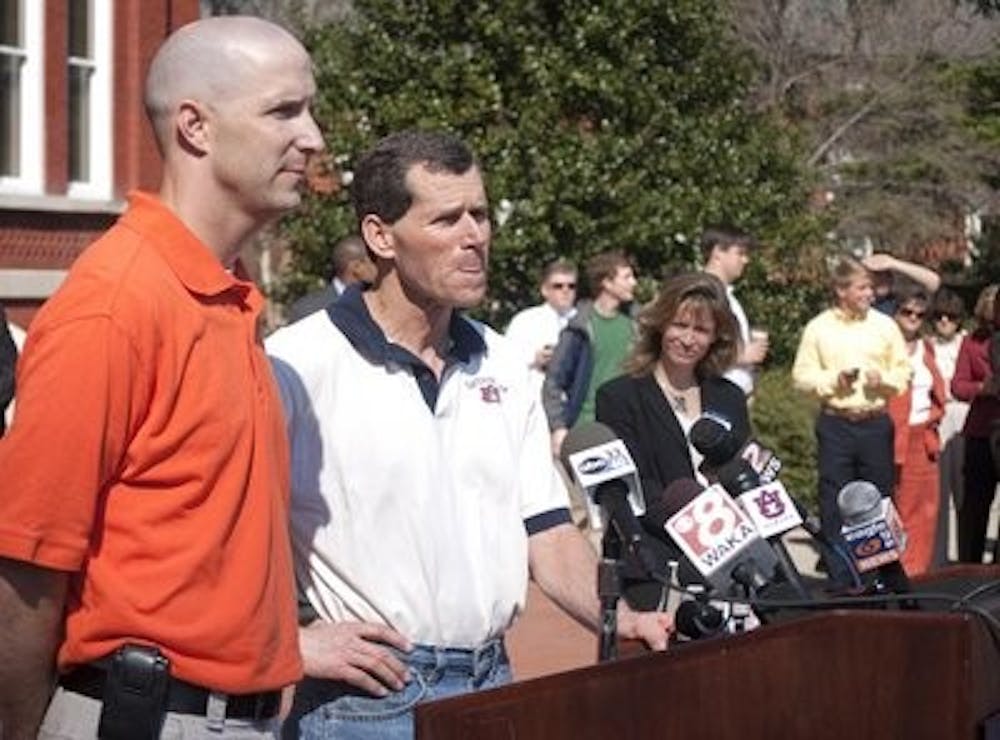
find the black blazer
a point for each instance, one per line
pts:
(638, 412)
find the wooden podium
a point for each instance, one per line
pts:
(836, 674)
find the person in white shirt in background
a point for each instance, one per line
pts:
(726, 253)
(946, 317)
(535, 330)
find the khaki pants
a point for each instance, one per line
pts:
(72, 716)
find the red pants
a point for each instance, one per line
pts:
(917, 499)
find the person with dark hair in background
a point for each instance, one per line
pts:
(725, 252)
(852, 360)
(145, 477)
(686, 339)
(916, 414)
(8, 367)
(592, 347)
(977, 382)
(349, 264)
(947, 317)
(423, 489)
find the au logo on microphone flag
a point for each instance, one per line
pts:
(771, 509)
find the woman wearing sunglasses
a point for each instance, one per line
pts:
(916, 414)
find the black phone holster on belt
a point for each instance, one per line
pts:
(135, 694)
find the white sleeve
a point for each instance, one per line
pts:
(522, 338)
(542, 488)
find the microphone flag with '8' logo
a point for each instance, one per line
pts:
(715, 534)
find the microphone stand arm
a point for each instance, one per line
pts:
(609, 590)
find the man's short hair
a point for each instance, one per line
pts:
(845, 270)
(724, 236)
(604, 266)
(379, 185)
(557, 267)
(344, 252)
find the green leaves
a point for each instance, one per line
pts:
(603, 125)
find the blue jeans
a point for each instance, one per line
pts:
(332, 709)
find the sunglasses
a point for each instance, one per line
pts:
(949, 316)
(563, 286)
(912, 313)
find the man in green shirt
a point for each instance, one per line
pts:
(592, 347)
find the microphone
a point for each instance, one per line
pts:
(874, 535)
(770, 507)
(814, 529)
(715, 535)
(602, 467)
(696, 619)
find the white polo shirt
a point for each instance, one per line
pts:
(412, 502)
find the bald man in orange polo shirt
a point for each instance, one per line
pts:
(143, 521)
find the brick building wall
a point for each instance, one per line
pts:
(42, 230)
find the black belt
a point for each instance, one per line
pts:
(855, 415)
(182, 697)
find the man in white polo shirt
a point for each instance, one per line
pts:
(535, 330)
(423, 489)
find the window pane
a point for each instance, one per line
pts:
(10, 22)
(79, 123)
(10, 115)
(79, 28)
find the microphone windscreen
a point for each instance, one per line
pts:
(858, 501)
(585, 437)
(712, 435)
(675, 496)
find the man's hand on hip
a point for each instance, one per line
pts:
(356, 653)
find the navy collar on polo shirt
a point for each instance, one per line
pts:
(350, 314)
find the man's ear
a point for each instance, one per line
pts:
(378, 236)
(193, 126)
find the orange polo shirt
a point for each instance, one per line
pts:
(149, 458)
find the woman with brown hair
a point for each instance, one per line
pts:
(686, 339)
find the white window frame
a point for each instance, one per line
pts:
(100, 184)
(31, 179)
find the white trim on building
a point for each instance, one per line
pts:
(31, 169)
(16, 284)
